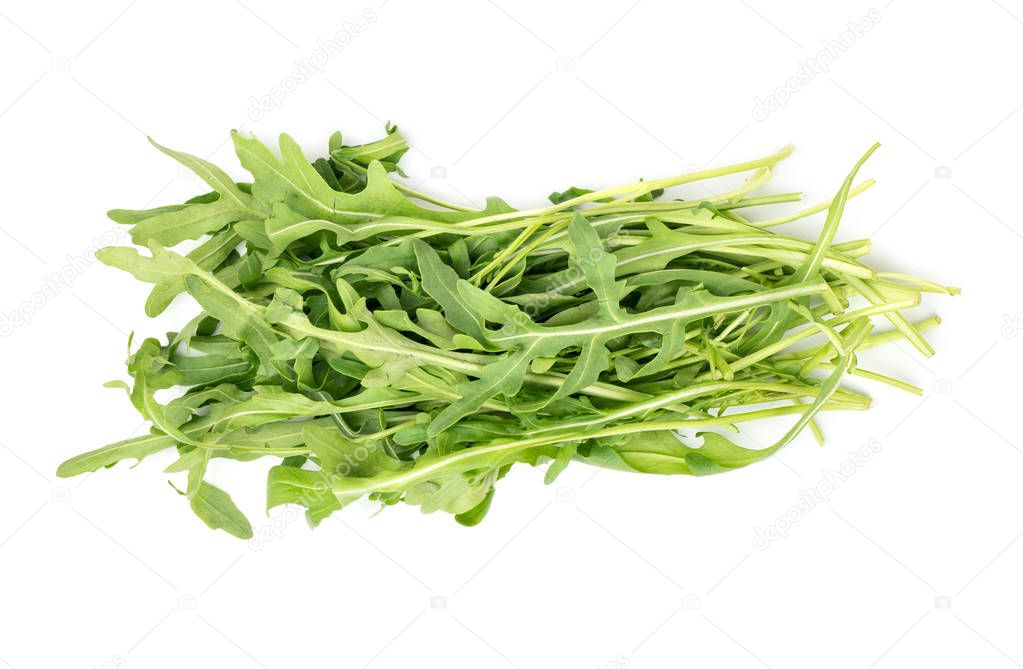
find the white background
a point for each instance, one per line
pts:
(913, 560)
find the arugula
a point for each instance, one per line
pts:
(379, 342)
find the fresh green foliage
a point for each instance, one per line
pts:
(379, 342)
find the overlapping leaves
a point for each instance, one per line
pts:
(378, 342)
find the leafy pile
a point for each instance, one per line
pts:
(379, 342)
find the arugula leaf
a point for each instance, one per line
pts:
(215, 508)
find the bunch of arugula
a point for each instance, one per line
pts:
(380, 342)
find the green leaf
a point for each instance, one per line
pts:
(136, 448)
(475, 515)
(339, 456)
(306, 488)
(214, 177)
(215, 508)
(189, 222)
(291, 179)
(208, 256)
